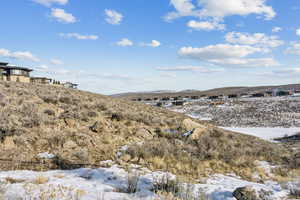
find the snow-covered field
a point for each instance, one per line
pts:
(266, 133)
(106, 184)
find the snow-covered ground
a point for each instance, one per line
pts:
(106, 184)
(265, 133)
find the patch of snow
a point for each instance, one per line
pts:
(221, 187)
(265, 133)
(46, 155)
(104, 183)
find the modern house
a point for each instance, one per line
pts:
(70, 85)
(41, 80)
(22, 74)
(14, 73)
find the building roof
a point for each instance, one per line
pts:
(45, 78)
(3, 63)
(15, 67)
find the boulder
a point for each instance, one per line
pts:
(70, 145)
(245, 193)
(144, 133)
(189, 124)
(98, 127)
(197, 133)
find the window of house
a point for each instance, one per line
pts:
(17, 72)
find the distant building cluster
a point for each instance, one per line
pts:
(22, 74)
(181, 100)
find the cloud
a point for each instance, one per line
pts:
(20, 55)
(294, 48)
(188, 69)
(50, 2)
(228, 55)
(292, 71)
(205, 25)
(79, 36)
(218, 51)
(54, 71)
(219, 9)
(276, 29)
(113, 17)
(124, 42)
(62, 16)
(56, 62)
(298, 31)
(247, 62)
(154, 43)
(256, 39)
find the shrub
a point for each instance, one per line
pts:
(49, 112)
(117, 116)
(132, 183)
(14, 180)
(66, 100)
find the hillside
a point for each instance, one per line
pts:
(211, 92)
(81, 129)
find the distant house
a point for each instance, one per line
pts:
(165, 99)
(258, 95)
(41, 80)
(269, 93)
(70, 85)
(280, 92)
(232, 96)
(213, 97)
(195, 97)
(178, 103)
(14, 73)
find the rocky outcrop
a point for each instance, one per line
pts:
(245, 193)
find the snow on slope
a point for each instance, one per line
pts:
(105, 183)
(265, 133)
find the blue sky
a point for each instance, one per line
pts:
(113, 46)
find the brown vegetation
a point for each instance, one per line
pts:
(85, 128)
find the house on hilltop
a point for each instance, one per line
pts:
(41, 80)
(70, 85)
(14, 73)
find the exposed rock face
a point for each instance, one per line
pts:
(144, 133)
(189, 124)
(198, 132)
(197, 129)
(245, 193)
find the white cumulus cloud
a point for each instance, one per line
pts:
(188, 69)
(50, 2)
(298, 31)
(276, 29)
(21, 55)
(62, 16)
(218, 51)
(294, 48)
(56, 62)
(113, 17)
(219, 9)
(153, 43)
(78, 36)
(228, 55)
(205, 25)
(257, 39)
(125, 42)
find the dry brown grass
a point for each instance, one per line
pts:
(14, 180)
(215, 152)
(40, 180)
(41, 118)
